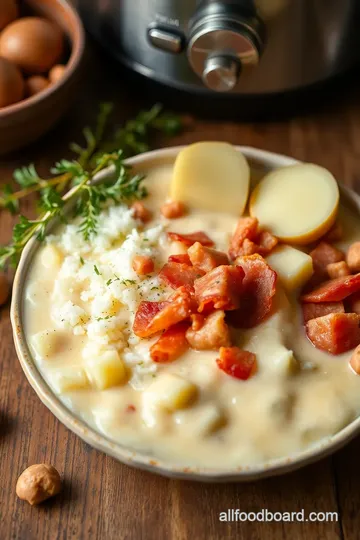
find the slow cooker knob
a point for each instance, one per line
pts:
(221, 73)
(223, 44)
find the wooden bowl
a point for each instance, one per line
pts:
(260, 161)
(25, 121)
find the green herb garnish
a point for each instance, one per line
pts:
(78, 174)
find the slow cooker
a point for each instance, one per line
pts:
(243, 47)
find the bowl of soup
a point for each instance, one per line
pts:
(203, 333)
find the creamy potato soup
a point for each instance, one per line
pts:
(82, 299)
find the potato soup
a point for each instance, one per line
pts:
(131, 331)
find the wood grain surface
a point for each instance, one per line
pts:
(103, 499)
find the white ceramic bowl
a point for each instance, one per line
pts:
(258, 159)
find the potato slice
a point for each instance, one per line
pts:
(293, 267)
(298, 204)
(211, 176)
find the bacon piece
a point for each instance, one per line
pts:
(266, 242)
(323, 255)
(212, 334)
(248, 248)
(236, 362)
(142, 265)
(197, 321)
(190, 239)
(171, 344)
(205, 258)
(220, 288)
(312, 311)
(355, 360)
(180, 258)
(141, 212)
(176, 275)
(338, 269)
(259, 287)
(335, 333)
(353, 257)
(334, 290)
(173, 209)
(353, 303)
(153, 317)
(145, 314)
(246, 228)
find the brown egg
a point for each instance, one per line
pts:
(11, 83)
(32, 43)
(35, 84)
(56, 73)
(8, 12)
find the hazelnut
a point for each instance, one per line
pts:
(38, 483)
(4, 289)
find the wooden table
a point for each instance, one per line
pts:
(105, 500)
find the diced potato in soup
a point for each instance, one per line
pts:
(226, 368)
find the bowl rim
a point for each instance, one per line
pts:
(142, 460)
(77, 52)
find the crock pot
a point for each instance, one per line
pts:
(246, 47)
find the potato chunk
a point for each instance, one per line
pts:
(48, 343)
(209, 418)
(106, 370)
(298, 204)
(211, 176)
(70, 378)
(293, 267)
(170, 392)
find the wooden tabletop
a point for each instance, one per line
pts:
(105, 500)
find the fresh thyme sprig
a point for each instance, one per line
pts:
(79, 174)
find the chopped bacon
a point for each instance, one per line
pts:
(176, 275)
(141, 212)
(312, 311)
(246, 228)
(173, 209)
(190, 239)
(212, 334)
(236, 362)
(266, 242)
(248, 248)
(220, 288)
(338, 269)
(334, 290)
(353, 257)
(130, 408)
(180, 258)
(335, 333)
(171, 344)
(206, 258)
(153, 317)
(197, 321)
(353, 303)
(259, 287)
(248, 240)
(323, 255)
(142, 265)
